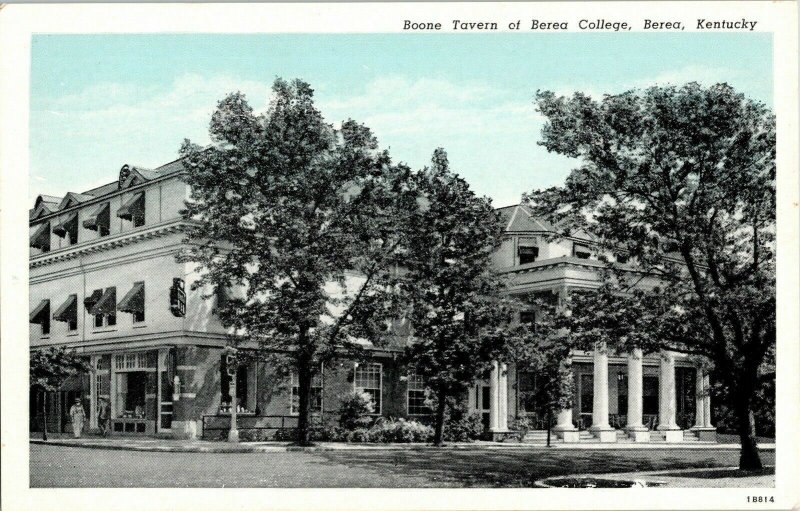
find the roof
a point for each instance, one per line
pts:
(51, 203)
(519, 218)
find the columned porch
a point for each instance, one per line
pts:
(661, 397)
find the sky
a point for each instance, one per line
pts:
(101, 101)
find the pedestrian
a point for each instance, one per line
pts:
(78, 417)
(103, 416)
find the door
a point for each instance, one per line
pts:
(165, 390)
(483, 402)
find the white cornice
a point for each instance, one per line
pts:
(109, 242)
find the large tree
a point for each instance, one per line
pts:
(541, 346)
(49, 369)
(301, 217)
(683, 180)
(454, 301)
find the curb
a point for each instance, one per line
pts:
(257, 448)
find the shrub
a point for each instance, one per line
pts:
(399, 431)
(355, 410)
(459, 424)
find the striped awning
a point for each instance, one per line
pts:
(68, 311)
(133, 301)
(99, 216)
(41, 312)
(107, 303)
(41, 236)
(133, 206)
(92, 299)
(63, 226)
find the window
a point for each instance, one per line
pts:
(527, 254)
(133, 302)
(100, 220)
(68, 313)
(415, 397)
(316, 393)
(41, 316)
(243, 402)
(367, 379)
(103, 306)
(581, 251)
(133, 210)
(131, 394)
(40, 238)
(68, 228)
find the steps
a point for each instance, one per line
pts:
(539, 437)
(690, 436)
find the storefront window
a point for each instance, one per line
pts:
(131, 394)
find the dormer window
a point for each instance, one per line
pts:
(581, 251)
(68, 228)
(527, 254)
(100, 220)
(133, 209)
(40, 238)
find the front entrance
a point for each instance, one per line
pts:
(483, 403)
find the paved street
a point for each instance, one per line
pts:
(56, 466)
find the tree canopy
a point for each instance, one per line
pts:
(682, 179)
(300, 216)
(455, 303)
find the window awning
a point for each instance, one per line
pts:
(133, 300)
(99, 216)
(41, 236)
(68, 310)
(107, 303)
(132, 207)
(41, 312)
(92, 299)
(61, 228)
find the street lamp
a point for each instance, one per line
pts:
(231, 366)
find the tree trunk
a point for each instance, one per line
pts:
(44, 415)
(749, 459)
(549, 425)
(438, 433)
(304, 384)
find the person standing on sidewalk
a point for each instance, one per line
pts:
(103, 416)
(78, 417)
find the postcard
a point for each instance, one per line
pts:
(400, 255)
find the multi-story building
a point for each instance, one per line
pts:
(105, 281)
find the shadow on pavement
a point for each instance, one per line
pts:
(722, 473)
(522, 469)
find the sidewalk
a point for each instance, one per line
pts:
(204, 446)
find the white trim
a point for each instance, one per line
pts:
(380, 383)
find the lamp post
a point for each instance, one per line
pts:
(232, 364)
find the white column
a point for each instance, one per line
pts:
(667, 403)
(502, 387)
(707, 400)
(494, 398)
(635, 391)
(600, 427)
(699, 400)
(600, 400)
